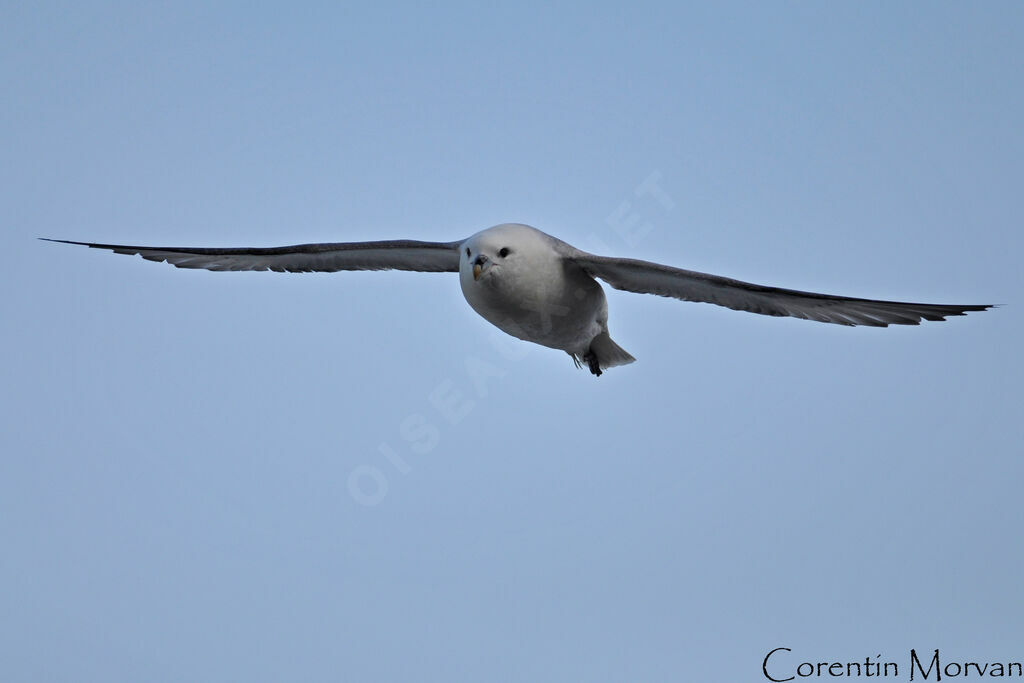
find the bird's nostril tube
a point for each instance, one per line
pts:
(480, 260)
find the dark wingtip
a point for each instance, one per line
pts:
(50, 239)
(979, 307)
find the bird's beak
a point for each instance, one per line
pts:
(479, 266)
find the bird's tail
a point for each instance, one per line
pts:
(609, 354)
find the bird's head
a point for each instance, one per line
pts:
(495, 249)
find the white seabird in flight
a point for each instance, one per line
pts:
(540, 289)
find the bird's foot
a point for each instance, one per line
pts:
(591, 359)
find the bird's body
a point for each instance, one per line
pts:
(529, 291)
(543, 290)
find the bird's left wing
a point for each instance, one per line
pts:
(645, 277)
(435, 257)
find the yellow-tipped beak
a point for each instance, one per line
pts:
(476, 271)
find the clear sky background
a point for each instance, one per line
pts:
(180, 449)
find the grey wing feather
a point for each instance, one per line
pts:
(645, 277)
(436, 257)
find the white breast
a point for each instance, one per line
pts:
(536, 297)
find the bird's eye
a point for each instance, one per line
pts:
(505, 251)
(467, 252)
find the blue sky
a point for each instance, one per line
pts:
(179, 448)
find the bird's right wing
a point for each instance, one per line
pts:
(435, 257)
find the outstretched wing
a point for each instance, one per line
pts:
(652, 278)
(435, 257)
